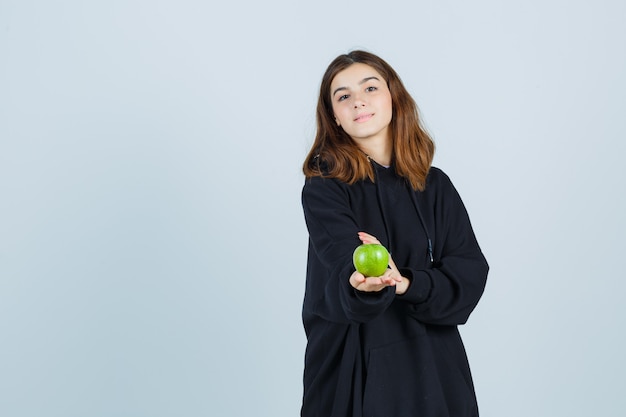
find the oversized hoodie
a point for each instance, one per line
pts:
(381, 354)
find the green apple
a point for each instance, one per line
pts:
(371, 259)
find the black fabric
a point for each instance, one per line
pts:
(379, 354)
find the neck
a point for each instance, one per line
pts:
(379, 151)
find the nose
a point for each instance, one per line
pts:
(358, 101)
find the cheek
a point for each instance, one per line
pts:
(389, 103)
(389, 107)
(339, 114)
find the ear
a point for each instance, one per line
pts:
(337, 121)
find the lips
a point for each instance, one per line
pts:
(364, 117)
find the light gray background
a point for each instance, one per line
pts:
(152, 244)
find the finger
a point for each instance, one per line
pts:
(370, 285)
(392, 264)
(356, 279)
(387, 280)
(377, 284)
(367, 238)
(394, 275)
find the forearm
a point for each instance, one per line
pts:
(331, 296)
(446, 295)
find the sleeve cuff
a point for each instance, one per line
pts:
(419, 288)
(361, 306)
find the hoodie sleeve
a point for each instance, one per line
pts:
(332, 239)
(447, 293)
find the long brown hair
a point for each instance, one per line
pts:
(412, 148)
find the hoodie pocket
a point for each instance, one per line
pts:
(403, 380)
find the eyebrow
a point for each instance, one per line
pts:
(364, 80)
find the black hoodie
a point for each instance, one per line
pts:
(382, 354)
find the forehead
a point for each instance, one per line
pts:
(353, 75)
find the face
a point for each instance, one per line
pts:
(362, 103)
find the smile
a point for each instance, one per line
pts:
(364, 117)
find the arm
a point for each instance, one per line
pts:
(447, 293)
(334, 290)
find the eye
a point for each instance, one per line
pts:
(343, 97)
(371, 88)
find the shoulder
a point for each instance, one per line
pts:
(319, 186)
(437, 179)
(439, 187)
(320, 181)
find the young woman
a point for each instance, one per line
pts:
(384, 346)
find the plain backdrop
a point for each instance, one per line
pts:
(152, 243)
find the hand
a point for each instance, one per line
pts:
(372, 284)
(401, 283)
